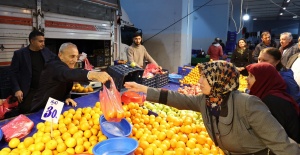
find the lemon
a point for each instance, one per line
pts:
(14, 142)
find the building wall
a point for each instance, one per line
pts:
(169, 36)
(209, 22)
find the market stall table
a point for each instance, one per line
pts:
(83, 101)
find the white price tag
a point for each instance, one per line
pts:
(52, 110)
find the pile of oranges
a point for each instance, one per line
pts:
(81, 89)
(168, 135)
(78, 131)
(243, 83)
(192, 78)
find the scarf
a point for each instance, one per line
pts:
(268, 81)
(223, 78)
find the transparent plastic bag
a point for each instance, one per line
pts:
(110, 102)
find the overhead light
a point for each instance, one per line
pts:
(281, 14)
(288, 1)
(295, 16)
(246, 17)
(254, 18)
(284, 8)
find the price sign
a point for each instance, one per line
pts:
(52, 110)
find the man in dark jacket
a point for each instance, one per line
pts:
(265, 42)
(26, 66)
(57, 78)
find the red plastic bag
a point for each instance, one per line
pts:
(87, 65)
(110, 102)
(3, 110)
(150, 70)
(19, 127)
(11, 102)
(6, 105)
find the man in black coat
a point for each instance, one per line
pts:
(26, 66)
(266, 41)
(58, 76)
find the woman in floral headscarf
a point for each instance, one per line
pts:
(272, 92)
(238, 123)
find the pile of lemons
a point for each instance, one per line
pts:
(77, 132)
(192, 78)
(243, 83)
(81, 89)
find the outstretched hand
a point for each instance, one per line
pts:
(73, 103)
(133, 86)
(99, 76)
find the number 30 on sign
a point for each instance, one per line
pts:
(52, 110)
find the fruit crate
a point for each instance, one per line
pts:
(162, 79)
(150, 82)
(123, 73)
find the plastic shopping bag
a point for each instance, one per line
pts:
(7, 105)
(87, 65)
(19, 127)
(110, 102)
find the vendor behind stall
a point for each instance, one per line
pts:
(57, 78)
(137, 52)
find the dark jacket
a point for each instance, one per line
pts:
(292, 87)
(260, 47)
(56, 81)
(285, 114)
(241, 60)
(22, 70)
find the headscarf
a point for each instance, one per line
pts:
(223, 78)
(268, 82)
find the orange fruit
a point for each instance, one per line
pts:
(70, 142)
(191, 144)
(86, 145)
(70, 150)
(179, 151)
(28, 141)
(51, 145)
(46, 138)
(143, 144)
(139, 150)
(79, 149)
(36, 153)
(14, 142)
(61, 147)
(65, 135)
(148, 151)
(40, 146)
(87, 133)
(201, 139)
(180, 144)
(47, 152)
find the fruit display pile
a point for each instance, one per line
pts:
(171, 132)
(192, 78)
(190, 90)
(243, 83)
(81, 89)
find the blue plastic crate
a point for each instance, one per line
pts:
(184, 71)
